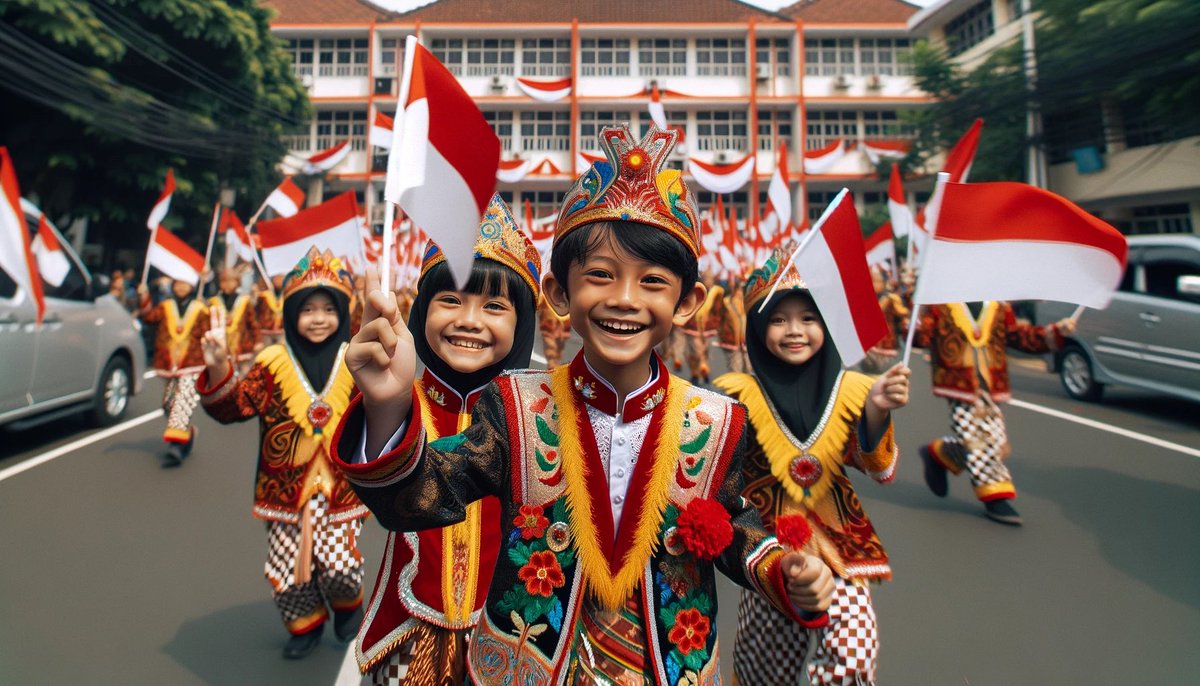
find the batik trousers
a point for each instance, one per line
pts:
(180, 398)
(979, 444)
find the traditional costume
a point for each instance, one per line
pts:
(179, 359)
(731, 327)
(699, 330)
(896, 313)
(614, 516)
(807, 427)
(967, 345)
(241, 324)
(268, 311)
(432, 583)
(298, 390)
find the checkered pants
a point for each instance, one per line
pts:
(773, 650)
(393, 670)
(180, 398)
(336, 568)
(979, 444)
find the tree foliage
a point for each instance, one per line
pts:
(104, 95)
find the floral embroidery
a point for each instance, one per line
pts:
(531, 522)
(690, 631)
(436, 396)
(653, 401)
(586, 389)
(542, 574)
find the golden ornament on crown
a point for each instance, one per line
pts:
(318, 269)
(760, 281)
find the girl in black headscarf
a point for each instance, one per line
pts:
(464, 338)
(810, 419)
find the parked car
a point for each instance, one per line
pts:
(87, 355)
(1149, 336)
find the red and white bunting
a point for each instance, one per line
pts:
(779, 193)
(820, 161)
(52, 261)
(881, 246)
(333, 225)
(325, 160)
(658, 114)
(238, 244)
(16, 254)
(287, 199)
(172, 256)
(512, 171)
(1011, 241)
(721, 178)
(832, 263)
(381, 131)
(159, 212)
(442, 167)
(545, 91)
(886, 150)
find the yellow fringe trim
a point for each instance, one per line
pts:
(829, 447)
(195, 308)
(296, 399)
(963, 320)
(612, 590)
(714, 294)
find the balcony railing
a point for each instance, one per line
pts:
(388, 69)
(546, 70)
(304, 69)
(489, 70)
(721, 70)
(719, 143)
(604, 70)
(298, 142)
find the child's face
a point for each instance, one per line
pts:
(794, 331)
(877, 280)
(470, 331)
(621, 306)
(181, 289)
(228, 283)
(318, 318)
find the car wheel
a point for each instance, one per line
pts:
(1075, 372)
(113, 393)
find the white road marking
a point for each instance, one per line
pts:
(149, 375)
(75, 445)
(1106, 427)
(538, 358)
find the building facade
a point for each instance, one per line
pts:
(736, 81)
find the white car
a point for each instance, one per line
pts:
(86, 356)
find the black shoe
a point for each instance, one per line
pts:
(345, 624)
(935, 473)
(301, 645)
(173, 457)
(187, 447)
(1002, 511)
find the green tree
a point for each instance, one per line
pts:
(105, 95)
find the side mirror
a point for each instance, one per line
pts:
(101, 284)
(1189, 284)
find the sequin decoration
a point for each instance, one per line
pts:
(805, 469)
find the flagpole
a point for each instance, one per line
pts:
(390, 192)
(261, 208)
(146, 264)
(1077, 313)
(931, 218)
(212, 238)
(804, 242)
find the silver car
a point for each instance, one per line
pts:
(1149, 336)
(87, 355)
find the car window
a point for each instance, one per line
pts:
(74, 285)
(1162, 278)
(8, 287)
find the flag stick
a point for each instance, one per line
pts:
(804, 242)
(1077, 313)
(933, 209)
(146, 265)
(261, 208)
(212, 238)
(385, 258)
(391, 184)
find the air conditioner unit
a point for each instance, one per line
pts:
(721, 157)
(306, 80)
(762, 72)
(841, 82)
(874, 82)
(383, 86)
(497, 83)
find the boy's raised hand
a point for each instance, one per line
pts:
(890, 391)
(383, 361)
(215, 346)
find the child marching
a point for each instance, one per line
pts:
(237, 311)
(298, 390)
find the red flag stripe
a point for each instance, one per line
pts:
(847, 248)
(333, 212)
(49, 240)
(177, 247)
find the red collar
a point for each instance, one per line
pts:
(594, 390)
(445, 398)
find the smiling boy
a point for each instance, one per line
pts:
(619, 482)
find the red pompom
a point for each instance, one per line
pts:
(704, 528)
(793, 531)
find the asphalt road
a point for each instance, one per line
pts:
(118, 572)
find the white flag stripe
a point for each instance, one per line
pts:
(171, 264)
(819, 269)
(342, 240)
(283, 205)
(446, 201)
(53, 264)
(885, 252)
(902, 218)
(159, 213)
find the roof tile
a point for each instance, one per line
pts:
(850, 11)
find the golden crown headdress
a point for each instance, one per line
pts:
(501, 241)
(632, 185)
(318, 269)
(760, 281)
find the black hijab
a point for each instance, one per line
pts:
(485, 275)
(799, 393)
(316, 359)
(230, 299)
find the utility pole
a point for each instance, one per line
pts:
(1036, 173)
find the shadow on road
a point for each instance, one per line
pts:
(1143, 528)
(243, 644)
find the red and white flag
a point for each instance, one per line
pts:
(381, 131)
(962, 155)
(831, 262)
(325, 160)
(1011, 241)
(333, 225)
(721, 178)
(512, 171)
(545, 91)
(170, 255)
(442, 166)
(779, 193)
(821, 160)
(16, 254)
(238, 244)
(880, 246)
(876, 151)
(286, 199)
(898, 211)
(658, 114)
(52, 261)
(163, 204)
